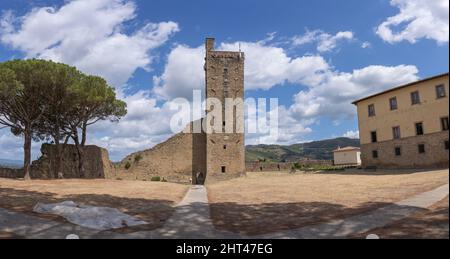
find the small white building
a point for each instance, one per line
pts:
(347, 156)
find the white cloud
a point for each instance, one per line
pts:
(325, 41)
(146, 124)
(11, 147)
(332, 96)
(326, 91)
(366, 45)
(266, 66)
(417, 19)
(183, 73)
(88, 34)
(353, 134)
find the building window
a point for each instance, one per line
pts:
(373, 136)
(224, 146)
(375, 153)
(398, 151)
(415, 98)
(444, 123)
(446, 144)
(224, 169)
(396, 132)
(421, 149)
(393, 103)
(371, 110)
(419, 128)
(440, 91)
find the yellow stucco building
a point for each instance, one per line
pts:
(406, 126)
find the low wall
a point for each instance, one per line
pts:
(96, 163)
(172, 160)
(271, 166)
(11, 173)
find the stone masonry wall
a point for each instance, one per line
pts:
(224, 76)
(96, 163)
(435, 156)
(11, 173)
(175, 160)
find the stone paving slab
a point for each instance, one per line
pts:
(35, 227)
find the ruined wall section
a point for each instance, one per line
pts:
(96, 163)
(175, 160)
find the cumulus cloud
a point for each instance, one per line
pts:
(332, 96)
(266, 66)
(417, 19)
(325, 90)
(88, 34)
(146, 124)
(182, 74)
(366, 45)
(11, 147)
(325, 42)
(353, 134)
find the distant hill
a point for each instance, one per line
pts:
(317, 150)
(7, 163)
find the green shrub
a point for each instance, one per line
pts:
(156, 179)
(137, 158)
(127, 165)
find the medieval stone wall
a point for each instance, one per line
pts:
(96, 163)
(272, 166)
(11, 173)
(175, 160)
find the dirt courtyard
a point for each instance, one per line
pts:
(268, 202)
(152, 202)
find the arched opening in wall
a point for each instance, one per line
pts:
(224, 169)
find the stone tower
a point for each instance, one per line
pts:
(225, 150)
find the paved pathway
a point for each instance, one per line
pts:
(191, 219)
(365, 222)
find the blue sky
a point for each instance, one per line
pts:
(315, 56)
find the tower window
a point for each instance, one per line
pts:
(446, 144)
(224, 146)
(224, 169)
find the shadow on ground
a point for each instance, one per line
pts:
(379, 172)
(429, 224)
(155, 212)
(270, 218)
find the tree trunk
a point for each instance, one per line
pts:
(84, 134)
(27, 154)
(59, 159)
(79, 153)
